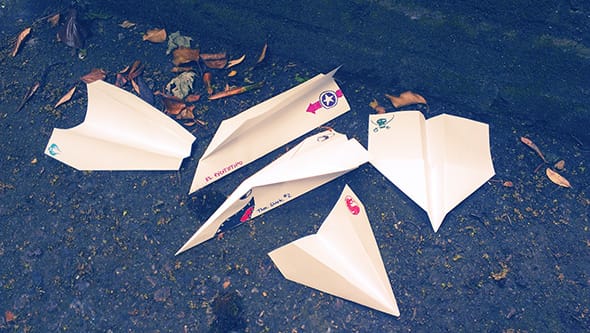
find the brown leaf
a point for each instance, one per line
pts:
(66, 97)
(186, 113)
(263, 53)
(207, 82)
(128, 24)
(234, 62)
(559, 165)
(19, 40)
(94, 75)
(155, 35)
(557, 178)
(183, 55)
(375, 106)
(192, 98)
(53, 20)
(214, 60)
(406, 98)
(172, 104)
(533, 146)
(181, 69)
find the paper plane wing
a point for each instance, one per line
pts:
(264, 127)
(436, 162)
(341, 259)
(315, 161)
(120, 132)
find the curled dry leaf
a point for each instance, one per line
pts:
(172, 104)
(19, 40)
(262, 54)
(181, 69)
(234, 62)
(557, 178)
(183, 55)
(207, 82)
(192, 98)
(406, 98)
(155, 35)
(94, 75)
(214, 60)
(232, 73)
(236, 90)
(53, 20)
(186, 113)
(66, 97)
(128, 24)
(533, 146)
(559, 165)
(375, 106)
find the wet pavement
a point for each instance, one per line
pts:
(94, 251)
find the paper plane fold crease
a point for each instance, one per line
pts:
(120, 132)
(318, 159)
(436, 162)
(341, 259)
(264, 127)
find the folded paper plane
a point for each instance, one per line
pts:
(264, 127)
(341, 259)
(120, 132)
(316, 160)
(436, 162)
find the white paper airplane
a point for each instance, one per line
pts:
(316, 160)
(436, 162)
(120, 132)
(341, 259)
(264, 127)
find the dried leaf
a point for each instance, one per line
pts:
(263, 53)
(19, 40)
(155, 35)
(533, 146)
(128, 24)
(234, 62)
(66, 97)
(378, 108)
(177, 40)
(214, 60)
(232, 73)
(172, 104)
(181, 69)
(207, 82)
(557, 178)
(183, 55)
(9, 316)
(94, 75)
(559, 165)
(406, 98)
(235, 91)
(53, 20)
(192, 98)
(186, 113)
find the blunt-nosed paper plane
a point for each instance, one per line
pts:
(341, 259)
(266, 126)
(318, 159)
(120, 132)
(436, 162)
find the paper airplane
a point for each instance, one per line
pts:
(341, 259)
(436, 162)
(316, 160)
(120, 132)
(264, 127)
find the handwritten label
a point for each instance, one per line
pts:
(224, 171)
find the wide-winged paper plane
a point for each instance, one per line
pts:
(341, 259)
(266, 126)
(316, 160)
(120, 132)
(436, 162)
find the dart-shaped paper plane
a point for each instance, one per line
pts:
(120, 132)
(266, 126)
(341, 259)
(316, 160)
(436, 162)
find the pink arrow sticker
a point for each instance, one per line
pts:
(328, 99)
